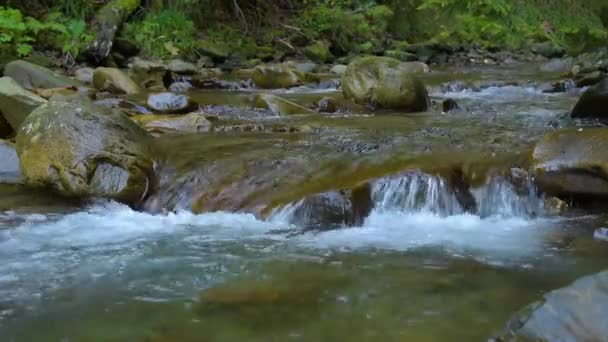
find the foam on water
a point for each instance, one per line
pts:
(497, 93)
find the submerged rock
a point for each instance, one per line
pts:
(16, 103)
(280, 106)
(170, 124)
(578, 312)
(84, 150)
(31, 76)
(115, 81)
(386, 83)
(9, 167)
(593, 103)
(572, 163)
(170, 103)
(277, 76)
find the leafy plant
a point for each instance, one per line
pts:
(162, 33)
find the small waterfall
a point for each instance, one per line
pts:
(415, 191)
(500, 197)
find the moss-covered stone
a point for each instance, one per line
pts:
(217, 51)
(31, 76)
(401, 55)
(593, 103)
(16, 103)
(147, 74)
(280, 106)
(318, 52)
(81, 150)
(274, 76)
(114, 81)
(386, 83)
(573, 163)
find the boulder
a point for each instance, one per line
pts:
(590, 79)
(80, 149)
(84, 75)
(572, 163)
(578, 312)
(338, 69)
(170, 103)
(16, 103)
(277, 76)
(31, 76)
(548, 49)
(171, 124)
(148, 74)
(180, 67)
(318, 52)
(386, 83)
(115, 81)
(593, 103)
(9, 167)
(180, 87)
(280, 106)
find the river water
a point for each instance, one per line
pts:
(420, 267)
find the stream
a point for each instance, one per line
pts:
(228, 251)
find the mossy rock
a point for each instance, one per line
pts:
(274, 76)
(572, 163)
(386, 83)
(280, 106)
(593, 103)
(318, 52)
(115, 81)
(80, 149)
(148, 73)
(217, 51)
(403, 56)
(16, 103)
(31, 76)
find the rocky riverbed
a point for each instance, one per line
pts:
(380, 200)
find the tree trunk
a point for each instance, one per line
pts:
(106, 23)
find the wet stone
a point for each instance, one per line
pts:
(601, 234)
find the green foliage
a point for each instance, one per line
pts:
(162, 33)
(515, 23)
(345, 26)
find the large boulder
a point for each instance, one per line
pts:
(593, 103)
(16, 103)
(115, 81)
(274, 76)
(31, 76)
(386, 83)
(572, 163)
(578, 312)
(85, 150)
(9, 167)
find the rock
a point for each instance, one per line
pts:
(171, 124)
(243, 73)
(578, 312)
(84, 75)
(127, 107)
(555, 206)
(593, 103)
(125, 47)
(16, 103)
(148, 74)
(306, 67)
(590, 79)
(558, 65)
(115, 81)
(81, 149)
(338, 69)
(318, 52)
(448, 105)
(386, 83)
(556, 86)
(601, 234)
(31, 76)
(180, 67)
(10, 171)
(180, 87)
(280, 106)
(328, 105)
(403, 56)
(209, 73)
(170, 103)
(547, 49)
(572, 163)
(277, 76)
(214, 50)
(5, 128)
(205, 62)
(213, 83)
(335, 208)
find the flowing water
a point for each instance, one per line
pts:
(424, 265)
